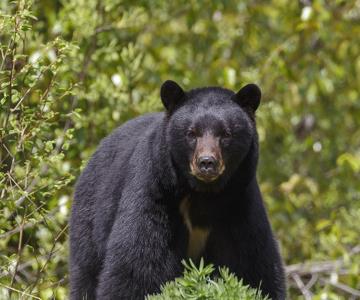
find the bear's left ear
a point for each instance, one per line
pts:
(248, 97)
(171, 94)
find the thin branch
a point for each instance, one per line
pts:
(313, 267)
(343, 287)
(317, 271)
(312, 281)
(21, 230)
(51, 253)
(18, 229)
(27, 92)
(319, 267)
(306, 293)
(20, 292)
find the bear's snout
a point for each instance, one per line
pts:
(207, 164)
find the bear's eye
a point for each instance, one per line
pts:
(225, 138)
(227, 134)
(191, 134)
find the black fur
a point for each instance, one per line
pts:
(127, 236)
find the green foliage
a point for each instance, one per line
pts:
(73, 70)
(33, 168)
(197, 284)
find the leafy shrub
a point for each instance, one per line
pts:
(34, 134)
(197, 284)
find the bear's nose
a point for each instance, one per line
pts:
(207, 164)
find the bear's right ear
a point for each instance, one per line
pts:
(248, 97)
(171, 94)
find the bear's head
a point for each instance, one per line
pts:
(212, 134)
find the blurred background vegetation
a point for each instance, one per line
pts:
(73, 70)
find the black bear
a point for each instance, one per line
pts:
(173, 185)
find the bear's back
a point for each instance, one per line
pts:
(100, 185)
(116, 149)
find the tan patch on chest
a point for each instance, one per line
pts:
(197, 235)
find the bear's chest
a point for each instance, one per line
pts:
(197, 226)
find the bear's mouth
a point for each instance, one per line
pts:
(207, 176)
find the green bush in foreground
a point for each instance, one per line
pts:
(197, 284)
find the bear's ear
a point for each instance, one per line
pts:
(171, 94)
(248, 97)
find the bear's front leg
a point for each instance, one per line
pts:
(140, 254)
